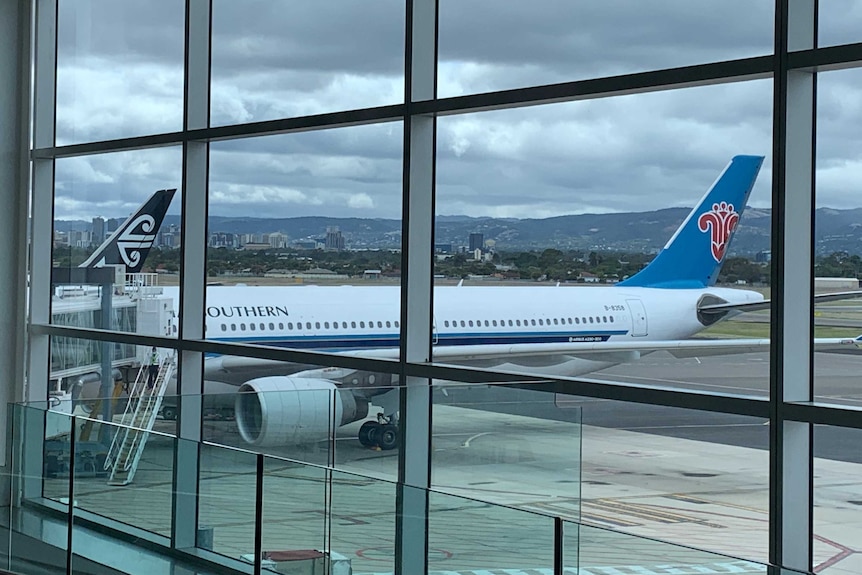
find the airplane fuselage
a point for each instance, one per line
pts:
(346, 318)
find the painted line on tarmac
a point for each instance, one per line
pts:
(720, 568)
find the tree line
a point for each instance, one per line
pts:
(546, 265)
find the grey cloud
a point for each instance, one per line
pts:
(294, 58)
(348, 36)
(121, 32)
(555, 41)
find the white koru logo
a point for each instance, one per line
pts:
(130, 244)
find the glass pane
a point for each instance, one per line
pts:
(487, 537)
(363, 512)
(698, 479)
(119, 69)
(840, 22)
(487, 45)
(125, 473)
(499, 443)
(837, 245)
(226, 508)
(606, 551)
(136, 383)
(41, 460)
(283, 59)
(294, 506)
(116, 234)
(370, 445)
(837, 499)
(559, 218)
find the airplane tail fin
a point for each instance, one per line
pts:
(131, 242)
(692, 258)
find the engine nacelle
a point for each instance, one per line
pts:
(292, 410)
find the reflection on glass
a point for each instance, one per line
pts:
(485, 46)
(837, 498)
(125, 474)
(465, 535)
(363, 519)
(700, 479)
(284, 59)
(294, 500)
(500, 443)
(604, 550)
(119, 69)
(41, 460)
(226, 508)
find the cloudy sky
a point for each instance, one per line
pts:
(120, 74)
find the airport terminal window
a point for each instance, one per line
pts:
(564, 135)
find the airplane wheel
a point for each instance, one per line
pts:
(368, 433)
(169, 412)
(387, 437)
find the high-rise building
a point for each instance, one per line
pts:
(477, 241)
(334, 239)
(111, 225)
(277, 240)
(98, 233)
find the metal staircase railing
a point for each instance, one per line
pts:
(137, 420)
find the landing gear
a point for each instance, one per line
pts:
(381, 434)
(368, 433)
(387, 437)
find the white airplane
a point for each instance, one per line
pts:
(561, 331)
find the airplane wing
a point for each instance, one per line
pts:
(722, 308)
(594, 350)
(225, 368)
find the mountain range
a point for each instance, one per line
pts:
(642, 232)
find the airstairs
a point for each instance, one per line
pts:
(137, 422)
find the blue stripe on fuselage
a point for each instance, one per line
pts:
(374, 341)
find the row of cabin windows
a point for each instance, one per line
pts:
(298, 325)
(529, 322)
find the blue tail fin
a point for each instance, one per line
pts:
(693, 256)
(131, 243)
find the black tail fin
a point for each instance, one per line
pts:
(131, 242)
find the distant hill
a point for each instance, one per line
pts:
(836, 230)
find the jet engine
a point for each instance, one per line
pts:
(292, 410)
